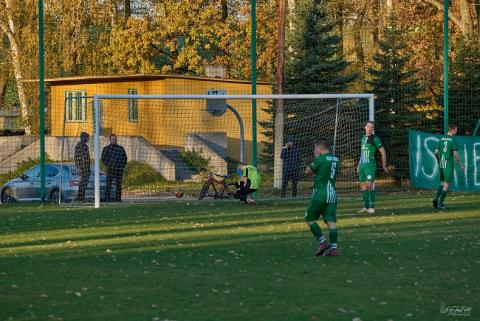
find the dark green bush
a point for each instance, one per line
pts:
(195, 161)
(137, 174)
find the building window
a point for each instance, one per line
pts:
(132, 106)
(76, 106)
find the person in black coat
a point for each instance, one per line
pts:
(291, 164)
(82, 161)
(114, 158)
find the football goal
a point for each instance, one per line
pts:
(153, 147)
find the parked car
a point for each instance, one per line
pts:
(61, 181)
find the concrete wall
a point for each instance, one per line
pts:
(137, 148)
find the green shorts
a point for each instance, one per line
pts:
(328, 211)
(446, 174)
(367, 172)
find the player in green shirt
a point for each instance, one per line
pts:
(249, 182)
(446, 149)
(367, 166)
(324, 197)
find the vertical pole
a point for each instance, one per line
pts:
(41, 77)
(253, 45)
(278, 105)
(445, 66)
(336, 129)
(371, 108)
(96, 149)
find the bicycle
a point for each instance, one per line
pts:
(224, 190)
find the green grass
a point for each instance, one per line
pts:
(195, 261)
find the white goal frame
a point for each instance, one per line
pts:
(96, 111)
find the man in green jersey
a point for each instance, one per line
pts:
(324, 197)
(367, 166)
(445, 151)
(249, 182)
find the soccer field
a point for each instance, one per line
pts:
(227, 261)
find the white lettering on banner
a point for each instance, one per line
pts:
(417, 154)
(476, 159)
(465, 154)
(435, 168)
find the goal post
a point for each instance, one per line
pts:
(180, 138)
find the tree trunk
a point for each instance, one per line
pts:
(279, 111)
(224, 4)
(8, 28)
(3, 88)
(339, 10)
(467, 25)
(357, 39)
(128, 9)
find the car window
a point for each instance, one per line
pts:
(33, 172)
(51, 171)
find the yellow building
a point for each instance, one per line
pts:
(163, 123)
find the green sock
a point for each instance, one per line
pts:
(372, 198)
(333, 235)
(442, 196)
(365, 198)
(439, 192)
(316, 231)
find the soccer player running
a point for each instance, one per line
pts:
(445, 151)
(367, 166)
(324, 197)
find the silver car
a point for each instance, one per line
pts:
(61, 181)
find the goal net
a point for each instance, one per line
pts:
(153, 147)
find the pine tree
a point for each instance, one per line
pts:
(397, 93)
(465, 87)
(312, 66)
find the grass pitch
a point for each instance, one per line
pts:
(226, 261)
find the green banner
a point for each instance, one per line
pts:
(424, 170)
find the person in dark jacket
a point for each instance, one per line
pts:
(114, 158)
(291, 164)
(82, 161)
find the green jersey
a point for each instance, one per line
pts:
(325, 168)
(252, 173)
(369, 145)
(446, 146)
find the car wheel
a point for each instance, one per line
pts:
(54, 196)
(8, 196)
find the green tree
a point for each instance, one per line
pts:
(465, 86)
(397, 97)
(312, 66)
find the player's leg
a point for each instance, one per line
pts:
(312, 214)
(439, 189)
(363, 187)
(250, 193)
(370, 172)
(446, 185)
(330, 218)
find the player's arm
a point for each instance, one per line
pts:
(457, 157)
(384, 159)
(313, 167)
